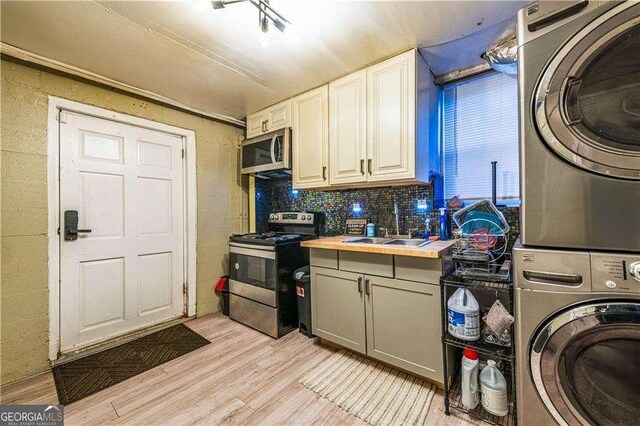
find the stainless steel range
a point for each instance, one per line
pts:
(261, 285)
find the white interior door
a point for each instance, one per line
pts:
(126, 183)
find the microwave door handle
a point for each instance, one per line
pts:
(273, 149)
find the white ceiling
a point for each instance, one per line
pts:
(213, 61)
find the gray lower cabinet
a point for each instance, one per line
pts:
(337, 312)
(403, 325)
(394, 321)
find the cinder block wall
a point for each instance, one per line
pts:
(222, 202)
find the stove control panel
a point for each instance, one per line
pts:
(615, 273)
(300, 218)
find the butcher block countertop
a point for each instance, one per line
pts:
(434, 250)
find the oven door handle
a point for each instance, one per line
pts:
(248, 250)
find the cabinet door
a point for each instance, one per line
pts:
(256, 124)
(337, 312)
(311, 139)
(391, 119)
(348, 128)
(404, 325)
(279, 116)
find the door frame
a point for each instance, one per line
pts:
(57, 104)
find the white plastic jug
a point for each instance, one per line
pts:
(470, 395)
(463, 315)
(493, 388)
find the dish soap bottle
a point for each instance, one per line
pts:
(470, 395)
(493, 388)
(444, 224)
(463, 315)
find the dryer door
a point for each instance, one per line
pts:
(585, 364)
(587, 104)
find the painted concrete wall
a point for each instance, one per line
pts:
(222, 203)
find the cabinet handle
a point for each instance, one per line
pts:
(369, 161)
(324, 172)
(362, 166)
(367, 286)
(266, 125)
(263, 126)
(360, 285)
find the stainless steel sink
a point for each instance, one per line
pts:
(413, 242)
(367, 240)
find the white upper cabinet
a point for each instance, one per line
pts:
(374, 127)
(279, 116)
(348, 129)
(310, 127)
(256, 123)
(275, 117)
(391, 97)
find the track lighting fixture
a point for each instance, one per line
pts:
(266, 13)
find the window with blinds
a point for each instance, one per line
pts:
(480, 125)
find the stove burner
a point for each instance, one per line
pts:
(268, 237)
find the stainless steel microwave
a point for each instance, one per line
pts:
(267, 154)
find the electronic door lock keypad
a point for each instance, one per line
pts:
(71, 230)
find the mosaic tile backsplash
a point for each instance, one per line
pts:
(375, 204)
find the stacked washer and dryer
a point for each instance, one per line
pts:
(577, 269)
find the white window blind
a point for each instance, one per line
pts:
(480, 125)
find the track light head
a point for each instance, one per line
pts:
(218, 4)
(279, 25)
(264, 24)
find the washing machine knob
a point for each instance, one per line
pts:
(610, 284)
(634, 270)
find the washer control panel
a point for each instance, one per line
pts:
(615, 273)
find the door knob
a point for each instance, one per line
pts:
(71, 230)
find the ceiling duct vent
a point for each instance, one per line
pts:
(503, 57)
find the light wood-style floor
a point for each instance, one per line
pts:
(243, 377)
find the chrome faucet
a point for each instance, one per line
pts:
(395, 211)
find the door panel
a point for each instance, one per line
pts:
(154, 206)
(404, 325)
(391, 118)
(338, 307)
(154, 281)
(105, 277)
(102, 201)
(348, 128)
(255, 124)
(126, 184)
(586, 104)
(279, 116)
(311, 139)
(584, 364)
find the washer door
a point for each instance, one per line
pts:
(585, 364)
(587, 104)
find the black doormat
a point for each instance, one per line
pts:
(85, 376)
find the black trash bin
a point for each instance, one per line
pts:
(222, 288)
(303, 291)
